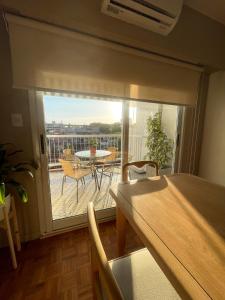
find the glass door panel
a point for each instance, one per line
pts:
(74, 128)
(152, 136)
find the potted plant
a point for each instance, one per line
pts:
(8, 169)
(160, 147)
(93, 145)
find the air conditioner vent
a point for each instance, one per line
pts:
(156, 8)
(112, 9)
(156, 15)
(135, 11)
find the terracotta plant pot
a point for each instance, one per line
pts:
(93, 150)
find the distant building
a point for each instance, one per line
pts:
(60, 128)
(54, 128)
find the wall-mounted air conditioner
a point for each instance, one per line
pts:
(156, 15)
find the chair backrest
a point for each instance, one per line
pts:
(113, 154)
(139, 164)
(102, 273)
(67, 154)
(67, 167)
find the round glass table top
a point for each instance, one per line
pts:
(88, 154)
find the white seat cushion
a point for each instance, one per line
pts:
(141, 170)
(139, 277)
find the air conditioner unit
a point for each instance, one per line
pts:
(156, 15)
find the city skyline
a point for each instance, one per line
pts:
(81, 111)
(93, 123)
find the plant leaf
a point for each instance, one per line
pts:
(21, 169)
(22, 193)
(2, 193)
(20, 190)
(8, 169)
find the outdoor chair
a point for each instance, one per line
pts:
(138, 167)
(68, 154)
(107, 165)
(131, 277)
(76, 172)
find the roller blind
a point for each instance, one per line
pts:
(49, 57)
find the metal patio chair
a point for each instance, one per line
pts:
(107, 165)
(77, 173)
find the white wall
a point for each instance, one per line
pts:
(138, 128)
(195, 37)
(212, 162)
(16, 101)
(169, 120)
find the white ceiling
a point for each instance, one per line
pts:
(214, 9)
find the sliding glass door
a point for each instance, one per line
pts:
(71, 126)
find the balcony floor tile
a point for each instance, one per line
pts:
(66, 205)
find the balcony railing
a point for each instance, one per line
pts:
(57, 143)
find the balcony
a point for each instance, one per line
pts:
(66, 205)
(56, 144)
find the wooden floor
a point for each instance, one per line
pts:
(56, 268)
(66, 205)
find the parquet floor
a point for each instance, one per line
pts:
(56, 268)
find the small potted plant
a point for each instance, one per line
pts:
(93, 145)
(8, 169)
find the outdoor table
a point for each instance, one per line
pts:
(86, 154)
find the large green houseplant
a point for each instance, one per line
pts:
(9, 167)
(160, 147)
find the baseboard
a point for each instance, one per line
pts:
(23, 238)
(30, 237)
(72, 228)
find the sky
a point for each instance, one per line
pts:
(81, 111)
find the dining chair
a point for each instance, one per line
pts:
(138, 165)
(135, 276)
(8, 212)
(77, 173)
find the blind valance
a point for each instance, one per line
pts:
(49, 57)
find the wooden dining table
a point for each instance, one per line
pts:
(180, 218)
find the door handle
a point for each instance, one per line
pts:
(42, 142)
(178, 140)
